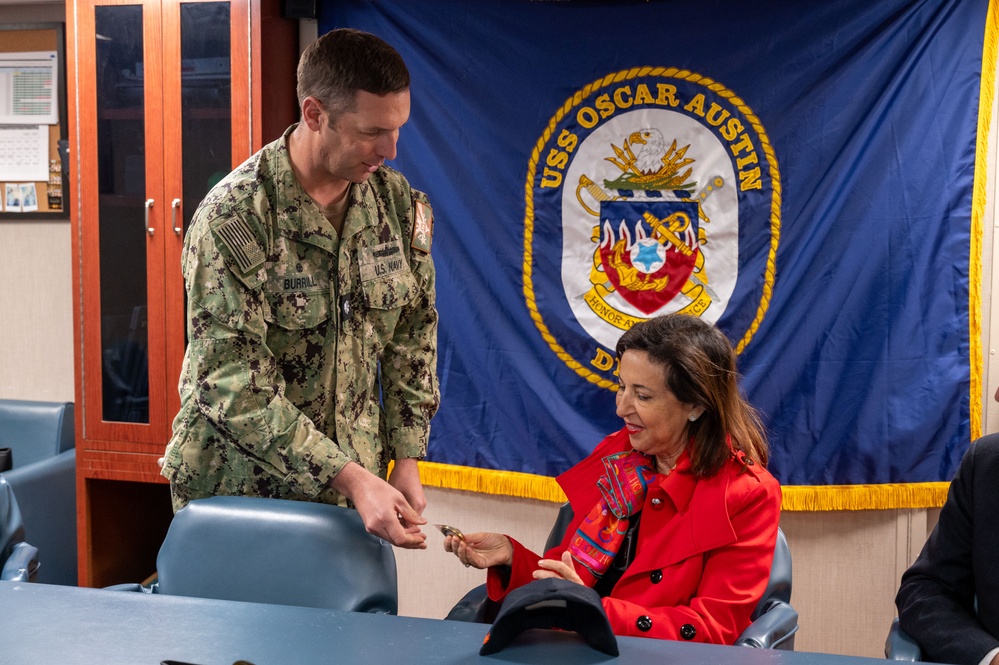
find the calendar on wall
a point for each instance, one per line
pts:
(24, 152)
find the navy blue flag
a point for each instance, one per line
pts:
(800, 174)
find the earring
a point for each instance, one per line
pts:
(692, 418)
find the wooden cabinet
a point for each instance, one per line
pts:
(165, 98)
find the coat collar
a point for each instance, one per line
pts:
(701, 522)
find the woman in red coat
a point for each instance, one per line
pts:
(675, 514)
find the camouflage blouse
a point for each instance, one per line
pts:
(306, 350)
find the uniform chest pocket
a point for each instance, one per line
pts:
(297, 310)
(391, 292)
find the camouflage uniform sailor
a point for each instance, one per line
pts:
(306, 351)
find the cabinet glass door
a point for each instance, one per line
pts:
(204, 132)
(121, 214)
(170, 122)
(206, 96)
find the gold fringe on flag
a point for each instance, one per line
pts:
(804, 498)
(484, 481)
(979, 199)
(796, 497)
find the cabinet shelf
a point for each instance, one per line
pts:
(137, 114)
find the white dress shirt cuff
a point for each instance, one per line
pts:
(989, 656)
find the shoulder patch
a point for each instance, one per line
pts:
(423, 226)
(243, 247)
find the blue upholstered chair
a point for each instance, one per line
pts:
(277, 552)
(900, 646)
(774, 620)
(18, 559)
(42, 438)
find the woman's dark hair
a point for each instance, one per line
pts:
(341, 62)
(699, 364)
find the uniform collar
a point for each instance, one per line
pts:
(299, 217)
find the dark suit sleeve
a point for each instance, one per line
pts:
(936, 600)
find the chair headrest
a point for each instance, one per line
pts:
(36, 430)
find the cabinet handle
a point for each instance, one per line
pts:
(149, 205)
(175, 205)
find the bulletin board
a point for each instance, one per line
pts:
(39, 141)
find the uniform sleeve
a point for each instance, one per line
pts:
(409, 363)
(234, 380)
(731, 582)
(937, 593)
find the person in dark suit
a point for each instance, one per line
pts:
(949, 598)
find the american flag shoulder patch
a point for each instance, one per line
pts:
(241, 244)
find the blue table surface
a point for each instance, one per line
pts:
(41, 624)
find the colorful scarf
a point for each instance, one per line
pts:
(598, 538)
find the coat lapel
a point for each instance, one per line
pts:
(700, 524)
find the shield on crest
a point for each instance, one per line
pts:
(648, 248)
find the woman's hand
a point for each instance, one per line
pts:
(481, 550)
(562, 569)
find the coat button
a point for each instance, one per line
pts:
(644, 623)
(688, 632)
(656, 576)
(656, 503)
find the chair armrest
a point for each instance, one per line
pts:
(28, 473)
(133, 586)
(21, 565)
(475, 607)
(774, 629)
(470, 606)
(899, 646)
(46, 495)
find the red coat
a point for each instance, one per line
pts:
(703, 555)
